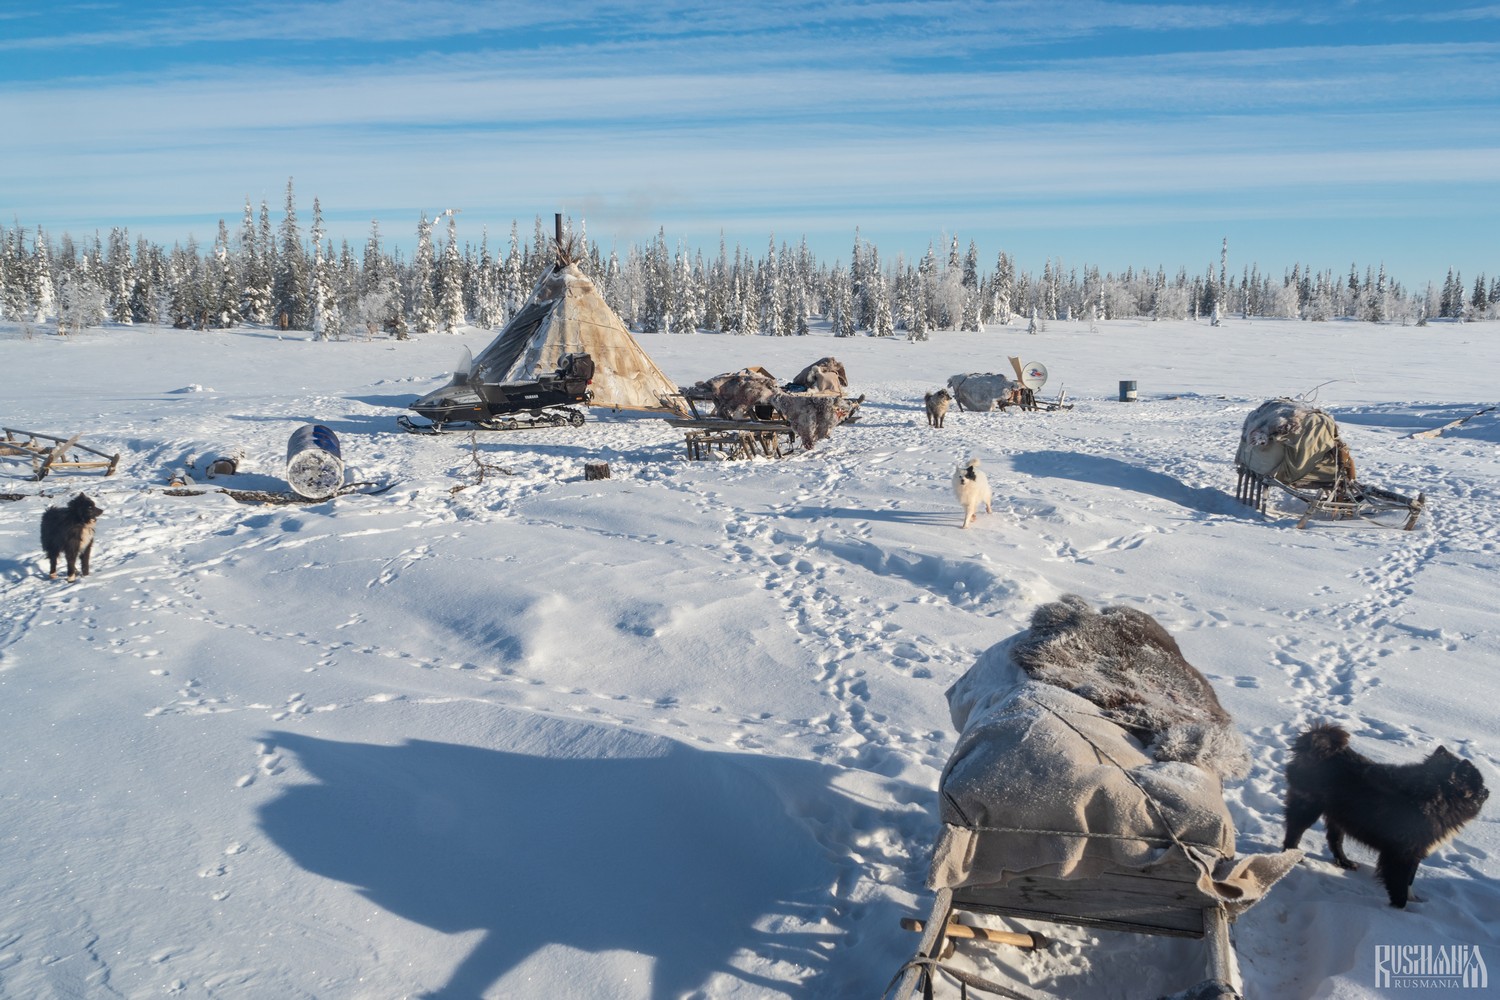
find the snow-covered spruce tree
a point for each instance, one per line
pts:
(611, 285)
(223, 283)
(43, 290)
(686, 310)
(289, 294)
(424, 313)
(925, 292)
(10, 267)
(542, 255)
(1005, 288)
(748, 323)
(149, 291)
(189, 309)
(714, 289)
(450, 282)
(317, 283)
(878, 297)
(858, 293)
(772, 295)
(797, 278)
(841, 303)
(119, 275)
(81, 297)
(488, 313)
(255, 277)
(655, 294)
(513, 289)
(969, 306)
(734, 294)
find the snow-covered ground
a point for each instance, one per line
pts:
(678, 732)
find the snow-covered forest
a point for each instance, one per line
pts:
(281, 276)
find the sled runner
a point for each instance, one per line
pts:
(1056, 809)
(58, 454)
(469, 403)
(1293, 448)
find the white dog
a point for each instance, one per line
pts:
(972, 489)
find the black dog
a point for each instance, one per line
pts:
(1403, 811)
(69, 531)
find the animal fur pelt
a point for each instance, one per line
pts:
(737, 394)
(984, 391)
(1275, 420)
(823, 375)
(1123, 661)
(813, 418)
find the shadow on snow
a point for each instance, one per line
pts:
(617, 840)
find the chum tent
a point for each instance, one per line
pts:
(566, 315)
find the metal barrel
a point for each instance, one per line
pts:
(1127, 391)
(314, 463)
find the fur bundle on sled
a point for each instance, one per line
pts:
(824, 375)
(737, 394)
(1123, 661)
(1275, 420)
(813, 418)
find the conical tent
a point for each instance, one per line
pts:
(565, 315)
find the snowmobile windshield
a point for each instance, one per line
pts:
(464, 367)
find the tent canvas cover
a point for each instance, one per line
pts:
(566, 315)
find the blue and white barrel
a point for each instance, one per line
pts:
(1127, 391)
(314, 464)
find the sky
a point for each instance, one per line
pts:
(1094, 132)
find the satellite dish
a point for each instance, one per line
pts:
(1034, 375)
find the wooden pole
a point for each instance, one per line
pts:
(964, 931)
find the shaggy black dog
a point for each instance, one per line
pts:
(69, 531)
(1403, 811)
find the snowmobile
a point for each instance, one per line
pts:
(467, 402)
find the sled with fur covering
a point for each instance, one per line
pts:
(1290, 447)
(1086, 789)
(60, 453)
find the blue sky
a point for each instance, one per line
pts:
(1092, 131)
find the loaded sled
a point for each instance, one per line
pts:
(1290, 447)
(1085, 789)
(468, 402)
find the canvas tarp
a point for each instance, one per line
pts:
(1290, 441)
(565, 315)
(1041, 784)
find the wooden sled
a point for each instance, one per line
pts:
(1157, 903)
(60, 453)
(1338, 496)
(708, 435)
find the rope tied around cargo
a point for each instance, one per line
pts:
(1150, 802)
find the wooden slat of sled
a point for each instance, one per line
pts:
(1113, 900)
(47, 457)
(1130, 902)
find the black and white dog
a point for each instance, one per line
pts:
(69, 531)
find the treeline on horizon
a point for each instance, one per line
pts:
(278, 278)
